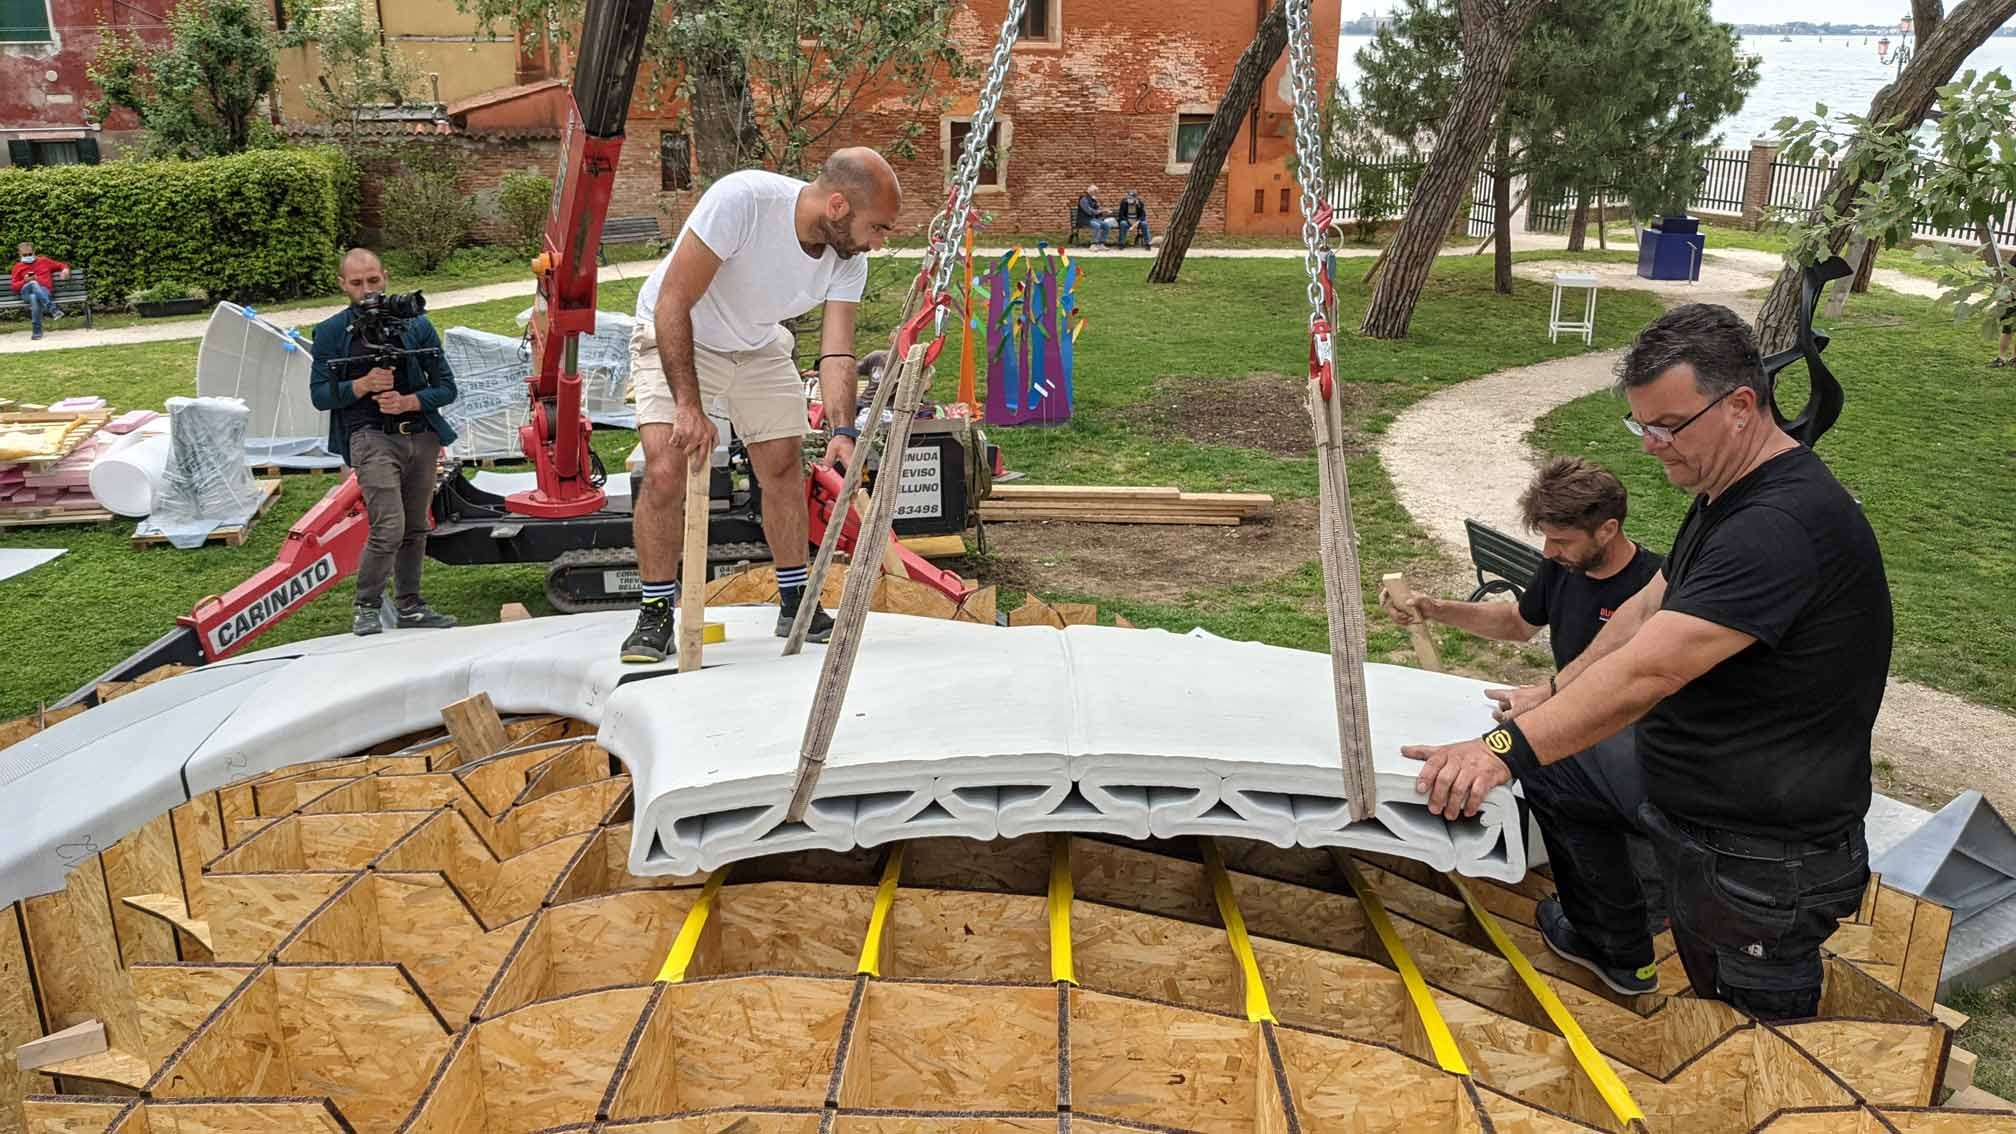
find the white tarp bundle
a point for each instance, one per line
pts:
(491, 401)
(249, 357)
(206, 484)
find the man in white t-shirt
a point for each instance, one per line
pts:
(758, 248)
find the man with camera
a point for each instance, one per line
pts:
(379, 372)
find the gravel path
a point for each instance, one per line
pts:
(1463, 452)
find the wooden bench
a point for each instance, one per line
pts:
(629, 230)
(72, 292)
(1492, 552)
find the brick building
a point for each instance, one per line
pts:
(45, 47)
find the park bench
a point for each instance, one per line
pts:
(629, 230)
(1511, 561)
(73, 292)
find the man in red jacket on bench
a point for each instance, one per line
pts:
(34, 280)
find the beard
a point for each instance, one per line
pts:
(835, 234)
(1588, 562)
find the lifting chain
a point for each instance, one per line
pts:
(1309, 147)
(948, 229)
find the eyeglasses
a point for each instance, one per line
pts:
(1663, 436)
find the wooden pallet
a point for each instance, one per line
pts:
(233, 535)
(50, 517)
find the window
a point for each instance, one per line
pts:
(1190, 130)
(991, 162)
(26, 152)
(24, 21)
(1259, 201)
(1040, 22)
(675, 161)
(1284, 198)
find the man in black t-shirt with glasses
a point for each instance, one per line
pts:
(1753, 666)
(1589, 571)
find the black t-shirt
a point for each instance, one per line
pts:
(364, 412)
(1573, 607)
(1774, 741)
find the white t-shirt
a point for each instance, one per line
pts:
(749, 220)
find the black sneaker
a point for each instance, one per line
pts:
(55, 312)
(420, 616)
(821, 629)
(652, 639)
(365, 622)
(1565, 942)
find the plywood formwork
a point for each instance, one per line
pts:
(415, 941)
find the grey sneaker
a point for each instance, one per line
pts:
(55, 312)
(1567, 943)
(366, 622)
(420, 616)
(820, 630)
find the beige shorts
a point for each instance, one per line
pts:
(758, 391)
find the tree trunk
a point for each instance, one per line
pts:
(1501, 208)
(1602, 222)
(1247, 75)
(1490, 35)
(1578, 225)
(1908, 100)
(723, 114)
(1865, 268)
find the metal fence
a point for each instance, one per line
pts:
(1385, 185)
(1547, 216)
(1483, 212)
(1797, 188)
(1725, 173)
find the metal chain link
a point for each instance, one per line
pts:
(949, 228)
(1308, 147)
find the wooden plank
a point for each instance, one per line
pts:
(87, 1038)
(1925, 954)
(513, 612)
(693, 566)
(1035, 612)
(1077, 613)
(1960, 1067)
(550, 1063)
(144, 863)
(1394, 585)
(935, 547)
(1180, 519)
(230, 535)
(475, 727)
(978, 606)
(117, 1068)
(1949, 1016)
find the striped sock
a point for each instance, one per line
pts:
(667, 591)
(791, 584)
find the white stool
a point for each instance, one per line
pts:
(1587, 326)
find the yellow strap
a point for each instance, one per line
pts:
(885, 896)
(674, 969)
(1447, 1054)
(1615, 1094)
(1060, 910)
(1235, 933)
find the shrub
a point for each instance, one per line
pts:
(254, 226)
(524, 199)
(167, 291)
(426, 214)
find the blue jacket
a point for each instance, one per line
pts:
(430, 376)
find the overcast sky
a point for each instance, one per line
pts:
(1816, 11)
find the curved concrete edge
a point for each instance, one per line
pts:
(949, 729)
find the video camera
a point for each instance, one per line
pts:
(379, 324)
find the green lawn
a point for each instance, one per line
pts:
(1226, 318)
(1927, 441)
(1772, 238)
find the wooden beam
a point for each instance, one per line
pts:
(1960, 1064)
(1344, 603)
(693, 568)
(87, 1038)
(475, 727)
(170, 909)
(1394, 584)
(513, 612)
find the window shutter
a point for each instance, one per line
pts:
(21, 154)
(87, 151)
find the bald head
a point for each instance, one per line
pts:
(361, 273)
(857, 197)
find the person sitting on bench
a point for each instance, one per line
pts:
(34, 280)
(1097, 219)
(1133, 214)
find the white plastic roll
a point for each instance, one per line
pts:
(126, 479)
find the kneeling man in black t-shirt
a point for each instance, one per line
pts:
(1753, 666)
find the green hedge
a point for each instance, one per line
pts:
(255, 226)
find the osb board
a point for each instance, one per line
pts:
(1412, 900)
(144, 863)
(244, 827)
(75, 951)
(550, 1062)
(613, 939)
(199, 837)
(523, 880)
(1138, 879)
(1343, 1085)
(424, 925)
(20, 1021)
(1510, 1116)
(1888, 1064)
(239, 1116)
(453, 1100)
(344, 929)
(898, 595)
(358, 794)
(1154, 1063)
(1355, 997)
(566, 812)
(496, 783)
(746, 1122)
(1785, 1076)
(239, 1050)
(1303, 866)
(1122, 951)
(175, 999)
(280, 796)
(1925, 956)
(1948, 1122)
(1891, 924)
(521, 978)
(275, 845)
(475, 727)
(611, 869)
(964, 935)
(1303, 915)
(1014, 866)
(925, 1047)
(991, 1124)
(1528, 1062)
(1851, 989)
(793, 926)
(234, 801)
(431, 790)
(584, 763)
(447, 843)
(56, 1115)
(250, 913)
(1831, 1120)
(350, 841)
(747, 1041)
(1680, 1029)
(360, 1035)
